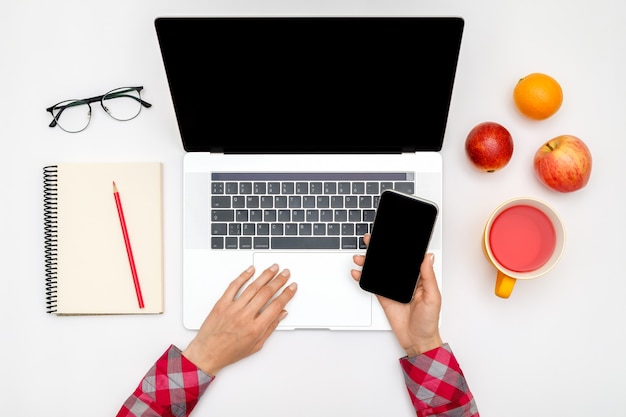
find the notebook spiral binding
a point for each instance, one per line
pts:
(50, 235)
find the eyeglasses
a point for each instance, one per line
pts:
(122, 104)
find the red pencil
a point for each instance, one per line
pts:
(129, 250)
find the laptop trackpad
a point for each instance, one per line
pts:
(327, 296)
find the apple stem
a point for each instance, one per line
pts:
(549, 147)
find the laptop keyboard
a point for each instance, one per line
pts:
(297, 210)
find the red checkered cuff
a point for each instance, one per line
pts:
(437, 386)
(171, 388)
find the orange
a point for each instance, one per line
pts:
(538, 96)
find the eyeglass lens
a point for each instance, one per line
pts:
(122, 103)
(72, 115)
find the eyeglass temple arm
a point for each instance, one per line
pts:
(122, 93)
(143, 102)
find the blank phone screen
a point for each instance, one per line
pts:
(399, 240)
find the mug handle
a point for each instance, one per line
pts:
(504, 285)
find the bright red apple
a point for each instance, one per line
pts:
(563, 163)
(489, 146)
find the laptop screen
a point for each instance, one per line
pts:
(310, 84)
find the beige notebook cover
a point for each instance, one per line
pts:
(87, 264)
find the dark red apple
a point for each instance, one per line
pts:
(489, 146)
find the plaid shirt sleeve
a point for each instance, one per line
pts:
(437, 386)
(171, 388)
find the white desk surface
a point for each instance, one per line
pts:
(555, 348)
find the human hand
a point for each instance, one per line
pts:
(238, 326)
(415, 324)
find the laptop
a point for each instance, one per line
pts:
(292, 128)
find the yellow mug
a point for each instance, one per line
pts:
(524, 238)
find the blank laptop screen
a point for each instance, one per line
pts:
(310, 84)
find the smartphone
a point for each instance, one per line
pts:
(400, 236)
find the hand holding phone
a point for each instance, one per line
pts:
(399, 240)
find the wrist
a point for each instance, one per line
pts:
(200, 358)
(425, 345)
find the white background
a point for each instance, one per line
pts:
(555, 348)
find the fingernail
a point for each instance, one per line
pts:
(274, 268)
(432, 259)
(250, 268)
(283, 314)
(285, 272)
(293, 286)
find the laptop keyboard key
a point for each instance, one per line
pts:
(256, 215)
(287, 188)
(234, 229)
(284, 216)
(280, 201)
(273, 187)
(222, 215)
(261, 243)
(333, 229)
(231, 243)
(405, 187)
(217, 243)
(319, 229)
(354, 216)
(239, 201)
(241, 215)
(362, 228)
(343, 188)
(295, 201)
(326, 216)
(316, 188)
(245, 243)
(291, 229)
(351, 201)
(372, 188)
(312, 215)
(248, 229)
(313, 242)
(267, 201)
(305, 229)
(259, 188)
(297, 216)
(302, 188)
(232, 188)
(219, 229)
(252, 201)
(341, 216)
(262, 229)
(349, 242)
(368, 215)
(217, 188)
(336, 201)
(358, 188)
(245, 188)
(308, 201)
(269, 216)
(220, 201)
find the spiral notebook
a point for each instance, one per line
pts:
(88, 268)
